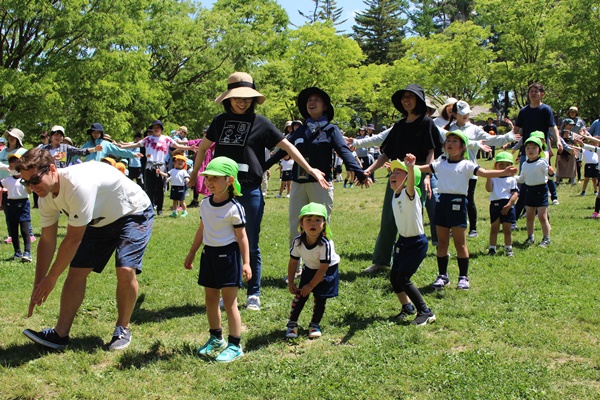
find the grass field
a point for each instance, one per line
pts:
(528, 328)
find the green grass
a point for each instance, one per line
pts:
(528, 328)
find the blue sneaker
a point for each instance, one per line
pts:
(26, 257)
(213, 347)
(230, 353)
(314, 331)
(18, 255)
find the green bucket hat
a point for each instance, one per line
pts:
(224, 166)
(538, 142)
(539, 135)
(462, 137)
(401, 165)
(316, 209)
(504, 156)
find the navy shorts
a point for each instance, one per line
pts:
(338, 169)
(451, 211)
(590, 171)
(18, 210)
(496, 212)
(221, 266)
(178, 192)
(286, 176)
(537, 196)
(328, 287)
(409, 252)
(128, 235)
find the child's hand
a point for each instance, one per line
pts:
(292, 287)
(512, 170)
(410, 160)
(246, 272)
(550, 170)
(306, 289)
(505, 209)
(189, 260)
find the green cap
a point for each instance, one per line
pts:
(504, 156)
(313, 209)
(462, 137)
(224, 166)
(538, 142)
(539, 135)
(401, 165)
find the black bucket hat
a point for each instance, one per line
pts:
(96, 127)
(303, 98)
(413, 88)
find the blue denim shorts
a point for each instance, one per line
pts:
(128, 236)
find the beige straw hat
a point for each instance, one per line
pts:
(240, 84)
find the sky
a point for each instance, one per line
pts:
(350, 7)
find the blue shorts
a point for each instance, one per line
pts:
(18, 210)
(590, 171)
(537, 196)
(286, 176)
(496, 212)
(451, 211)
(328, 287)
(409, 253)
(178, 192)
(128, 235)
(221, 266)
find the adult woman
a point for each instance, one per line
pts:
(316, 140)
(14, 138)
(107, 147)
(63, 152)
(243, 135)
(417, 134)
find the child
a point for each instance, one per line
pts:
(503, 195)
(17, 210)
(590, 158)
(320, 271)
(534, 174)
(222, 231)
(453, 174)
(411, 247)
(286, 165)
(349, 181)
(596, 152)
(179, 177)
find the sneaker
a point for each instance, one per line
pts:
(491, 252)
(121, 339)
(26, 257)
(230, 353)
(582, 193)
(292, 330)
(184, 214)
(18, 255)
(213, 347)
(314, 331)
(8, 240)
(278, 196)
(371, 269)
(595, 193)
(423, 318)
(31, 239)
(513, 227)
(440, 282)
(173, 214)
(509, 253)
(595, 215)
(473, 234)
(253, 303)
(297, 275)
(530, 240)
(193, 203)
(159, 212)
(47, 337)
(407, 309)
(555, 202)
(221, 304)
(545, 242)
(287, 196)
(463, 283)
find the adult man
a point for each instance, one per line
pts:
(106, 212)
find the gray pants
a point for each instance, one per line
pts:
(300, 195)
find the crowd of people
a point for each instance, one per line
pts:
(432, 165)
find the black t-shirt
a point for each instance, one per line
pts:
(243, 138)
(417, 137)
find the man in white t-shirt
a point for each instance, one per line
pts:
(106, 212)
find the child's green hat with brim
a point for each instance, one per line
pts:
(462, 137)
(539, 135)
(224, 166)
(400, 165)
(313, 209)
(504, 156)
(536, 141)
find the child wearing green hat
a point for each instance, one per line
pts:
(222, 222)
(320, 270)
(503, 195)
(534, 174)
(454, 173)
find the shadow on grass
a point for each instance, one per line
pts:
(17, 355)
(158, 352)
(278, 282)
(141, 316)
(357, 323)
(357, 256)
(264, 340)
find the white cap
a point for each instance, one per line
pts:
(462, 108)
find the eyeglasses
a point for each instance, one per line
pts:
(36, 179)
(242, 99)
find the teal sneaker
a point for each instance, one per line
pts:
(184, 214)
(213, 347)
(230, 353)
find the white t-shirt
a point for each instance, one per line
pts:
(590, 154)
(453, 176)
(177, 176)
(322, 251)
(157, 148)
(408, 214)
(534, 173)
(15, 189)
(503, 188)
(220, 219)
(286, 165)
(94, 194)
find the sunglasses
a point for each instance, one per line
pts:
(36, 179)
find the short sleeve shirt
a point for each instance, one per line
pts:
(322, 252)
(453, 176)
(220, 220)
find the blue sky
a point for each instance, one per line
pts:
(292, 6)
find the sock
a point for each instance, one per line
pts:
(234, 340)
(463, 266)
(218, 333)
(493, 248)
(443, 265)
(508, 248)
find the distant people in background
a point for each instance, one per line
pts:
(491, 129)
(178, 177)
(199, 188)
(99, 138)
(44, 139)
(445, 112)
(63, 152)
(577, 128)
(14, 138)
(135, 163)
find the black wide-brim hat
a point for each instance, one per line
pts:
(413, 88)
(303, 99)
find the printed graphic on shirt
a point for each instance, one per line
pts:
(235, 133)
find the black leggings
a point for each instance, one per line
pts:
(155, 188)
(401, 283)
(14, 229)
(298, 305)
(471, 208)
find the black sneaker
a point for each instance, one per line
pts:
(120, 340)
(193, 203)
(491, 252)
(424, 318)
(407, 309)
(47, 337)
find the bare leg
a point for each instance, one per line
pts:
(234, 321)
(443, 241)
(494, 229)
(530, 219)
(127, 292)
(506, 229)
(403, 298)
(543, 217)
(213, 312)
(71, 298)
(460, 242)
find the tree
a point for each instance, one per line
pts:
(379, 30)
(324, 10)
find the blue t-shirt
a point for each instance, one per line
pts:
(532, 119)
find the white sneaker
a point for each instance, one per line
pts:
(374, 268)
(253, 303)
(555, 202)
